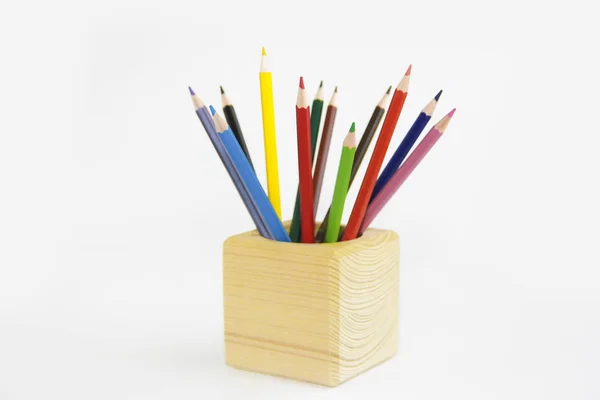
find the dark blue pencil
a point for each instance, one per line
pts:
(407, 143)
(209, 127)
(248, 176)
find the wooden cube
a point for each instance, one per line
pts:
(320, 313)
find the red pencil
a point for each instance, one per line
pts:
(307, 220)
(383, 142)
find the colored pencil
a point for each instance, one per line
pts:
(315, 119)
(369, 134)
(268, 118)
(295, 225)
(383, 141)
(307, 221)
(341, 187)
(407, 143)
(405, 170)
(324, 149)
(361, 150)
(249, 178)
(209, 126)
(315, 122)
(234, 124)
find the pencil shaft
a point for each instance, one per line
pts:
(255, 189)
(399, 177)
(295, 225)
(307, 222)
(234, 124)
(268, 117)
(209, 127)
(323, 154)
(361, 151)
(315, 123)
(366, 188)
(339, 195)
(366, 140)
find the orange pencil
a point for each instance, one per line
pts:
(307, 220)
(383, 142)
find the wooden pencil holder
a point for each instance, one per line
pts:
(319, 313)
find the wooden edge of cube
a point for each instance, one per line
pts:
(319, 313)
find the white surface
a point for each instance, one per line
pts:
(110, 235)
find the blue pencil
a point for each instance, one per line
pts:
(255, 189)
(407, 143)
(209, 127)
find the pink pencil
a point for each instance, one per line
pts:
(405, 170)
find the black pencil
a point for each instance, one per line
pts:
(232, 121)
(361, 151)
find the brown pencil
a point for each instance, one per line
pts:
(324, 149)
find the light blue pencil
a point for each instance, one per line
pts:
(249, 178)
(209, 126)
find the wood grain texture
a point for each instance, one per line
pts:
(320, 313)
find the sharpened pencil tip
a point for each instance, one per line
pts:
(437, 96)
(321, 84)
(451, 113)
(389, 90)
(301, 83)
(212, 110)
(264, 53)
(350, 139)
(191, 91)
(222, 91)
(408, 70)
(352, 128)
(335, 90)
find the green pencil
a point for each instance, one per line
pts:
(315, 119)
(342, 183)
(315, 123)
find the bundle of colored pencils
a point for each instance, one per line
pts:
(376, 189)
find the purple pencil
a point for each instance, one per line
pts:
(209, 126)
(405, 170)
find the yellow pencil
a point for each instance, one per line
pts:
(268, 117)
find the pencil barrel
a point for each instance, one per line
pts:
(295, 226)
(270, 141)
(315, 123)
(323, 155)
(366, 140)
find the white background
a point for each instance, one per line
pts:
(112, 199)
